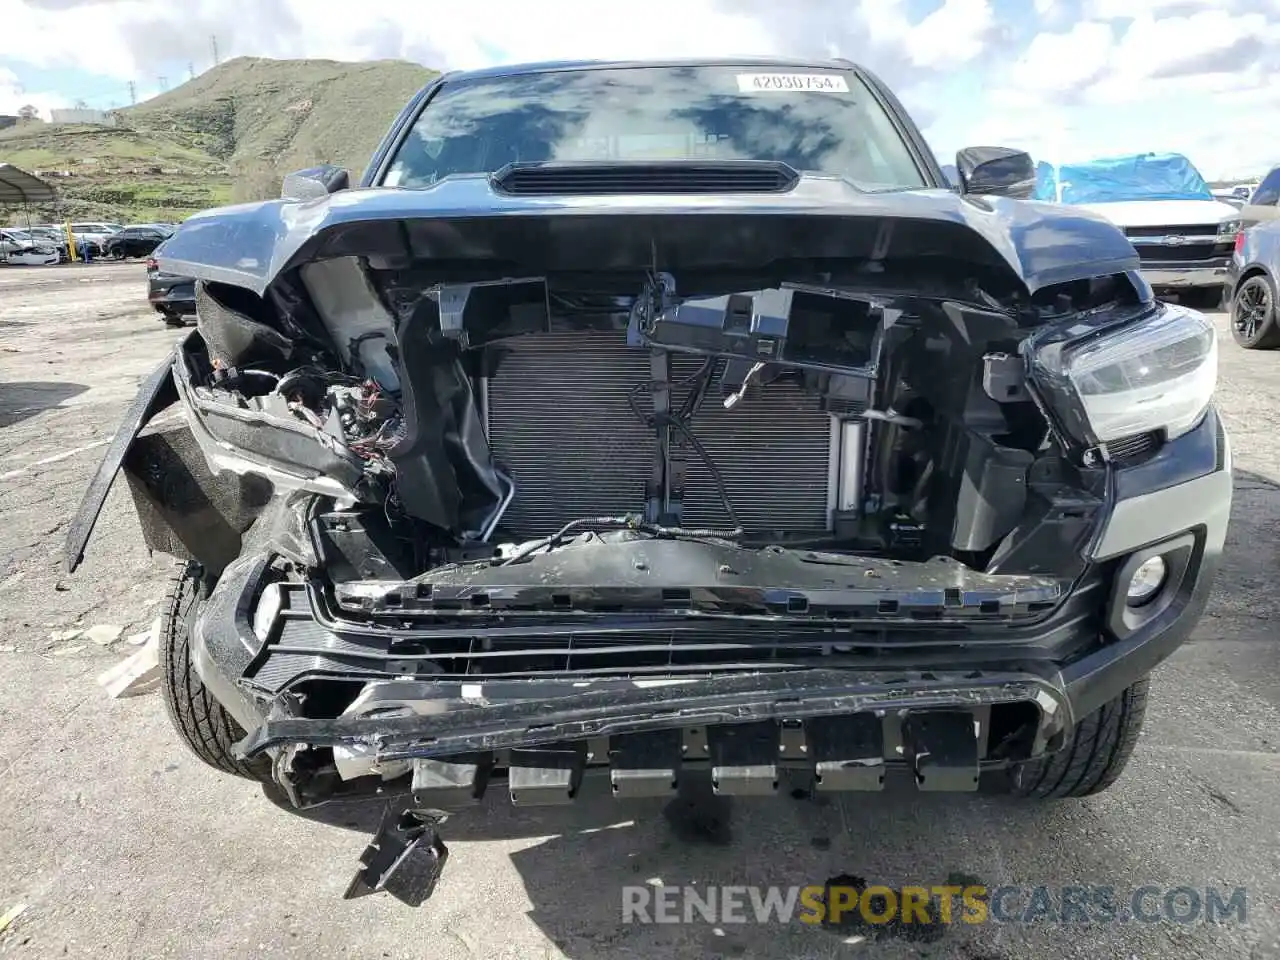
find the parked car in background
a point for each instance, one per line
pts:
(96, 234)
(90, 243)
(171, 295)
(21, 247)
(1182, 233)
(1236, 196)
(96, 228)
(54, 236)
(1264, 204)
(1254, 271)
(136, 241)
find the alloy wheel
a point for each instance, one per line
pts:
(1252, 308)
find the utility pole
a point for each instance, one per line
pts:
(191, 70)
(133, 93)
(213, 39)
(164, 83)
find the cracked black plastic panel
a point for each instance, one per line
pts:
(185, 509)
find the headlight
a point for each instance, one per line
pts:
(1229, 229)
(1156, 374)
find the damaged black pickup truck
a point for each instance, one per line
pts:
(661, 421)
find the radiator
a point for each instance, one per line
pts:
(559, 422)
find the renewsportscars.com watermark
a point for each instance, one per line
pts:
(938, 904)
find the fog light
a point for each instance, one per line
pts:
(1147, 581)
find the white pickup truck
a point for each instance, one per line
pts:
(1183, 234)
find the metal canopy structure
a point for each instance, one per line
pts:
(19, 188)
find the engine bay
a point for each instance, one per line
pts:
(490, 421)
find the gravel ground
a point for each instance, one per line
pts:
(122, 845)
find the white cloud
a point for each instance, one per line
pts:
(1118, 9)
(954, 34)
(125, 39)
(1201, 43)
(1102, 76)
(1173, 75)
(135, 39)
(1060, 62)
(13, 97)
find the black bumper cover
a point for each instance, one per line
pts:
(1041, 664)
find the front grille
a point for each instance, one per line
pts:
(659, 177)
(1181, 254)
(1182, 250)
(311, 639)
(1198, 230)
(304, 646)
(560, 422)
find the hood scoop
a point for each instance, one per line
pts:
(651, 177)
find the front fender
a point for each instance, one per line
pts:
(156, 393)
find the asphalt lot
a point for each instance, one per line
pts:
(121, 844)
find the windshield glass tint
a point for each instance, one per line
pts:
(813, 120)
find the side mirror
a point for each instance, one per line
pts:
(996, 171)
(314, 183)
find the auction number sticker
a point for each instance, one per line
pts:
(787, 82)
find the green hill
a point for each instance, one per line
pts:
(228, 135)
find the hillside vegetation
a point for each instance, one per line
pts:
(228, 135)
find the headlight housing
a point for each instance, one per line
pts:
(1229, 229)
(1156, 374)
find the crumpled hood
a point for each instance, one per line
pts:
(466, 219)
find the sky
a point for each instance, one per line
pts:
(1063, 79)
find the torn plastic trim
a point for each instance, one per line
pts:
(223, 643)
(155, 394)
(283, 529)
(793, 695)
(647, 574)
(222, 455)
(387, 698)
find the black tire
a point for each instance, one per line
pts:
(172, 319)
(1095, 755)
(202, 723)
(1253, 314)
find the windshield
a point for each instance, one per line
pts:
(814, 120)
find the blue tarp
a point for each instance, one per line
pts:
(1144, 176)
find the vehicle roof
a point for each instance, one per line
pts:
(554, 66)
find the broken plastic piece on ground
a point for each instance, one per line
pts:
(141, 638)
(11, 915)
(405, 859)
(136, 674)
(104, 634)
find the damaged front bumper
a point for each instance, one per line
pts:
(938, 682)
(1186, 275)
